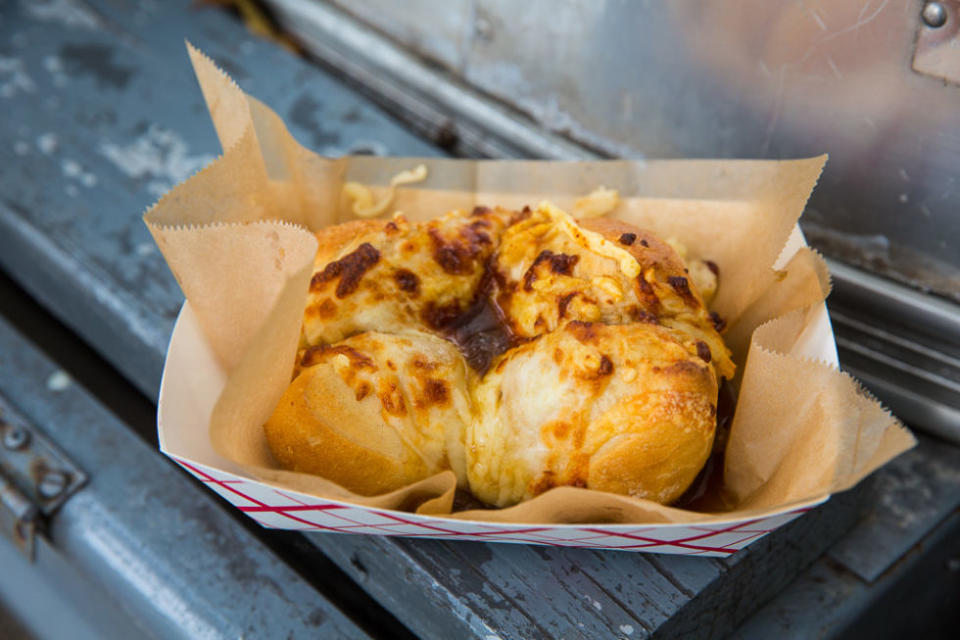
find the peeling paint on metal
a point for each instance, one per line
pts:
(59, 380)
(145, 249)
(73, 169)
(96, 60)
(54, 66)
(160, 155)
(596, 604)
(47, 143)
(66, 12)
(14, 78)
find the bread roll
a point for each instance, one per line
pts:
(375, 412)
(552, 269)
(605, 360)
(623, 408)
(397, 276)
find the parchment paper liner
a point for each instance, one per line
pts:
(234, 237)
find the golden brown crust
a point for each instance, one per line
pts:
(332, 240)
(615, 408)
(374, 413)
(399, 276)
(648, 250)
(552, 270)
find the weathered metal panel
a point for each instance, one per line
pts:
(100, 119)
(893, 574)
(156, 552)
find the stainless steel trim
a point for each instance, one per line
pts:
(903, 328)
(427, 96)
(905, 305)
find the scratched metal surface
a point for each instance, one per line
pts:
(101, 115)
(104, 115)
(895, 573)
(744, 79)
(141, 544)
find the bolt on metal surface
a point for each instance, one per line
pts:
(934, 14)
(52, 484)
(15, 437)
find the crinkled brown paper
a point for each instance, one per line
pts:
(235, 236)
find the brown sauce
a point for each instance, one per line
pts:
(705, 493)
(480, 331)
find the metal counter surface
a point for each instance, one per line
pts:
(105, 115)
(138, 552)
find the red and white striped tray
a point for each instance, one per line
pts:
(192, 382)
(278, 509)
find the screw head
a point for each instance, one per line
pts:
(934, 14)
(15, 437)
(52, 484)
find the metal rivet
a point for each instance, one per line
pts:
(934, 14)
(52, 484)
(15, 437)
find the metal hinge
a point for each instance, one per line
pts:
(36, 478)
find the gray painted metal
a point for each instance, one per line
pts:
(518, 591)
(903, 345)
(918, 490)
(98, 99)
(435, 105)
(894, 573)
(141, 546)
(52, 599)
(36, 477)
(742, 79)
(75, 243)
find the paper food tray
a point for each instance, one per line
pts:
(192, 382)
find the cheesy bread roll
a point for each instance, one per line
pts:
(375, 412)
(550, 269)
(625, 409)
(398, 276)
